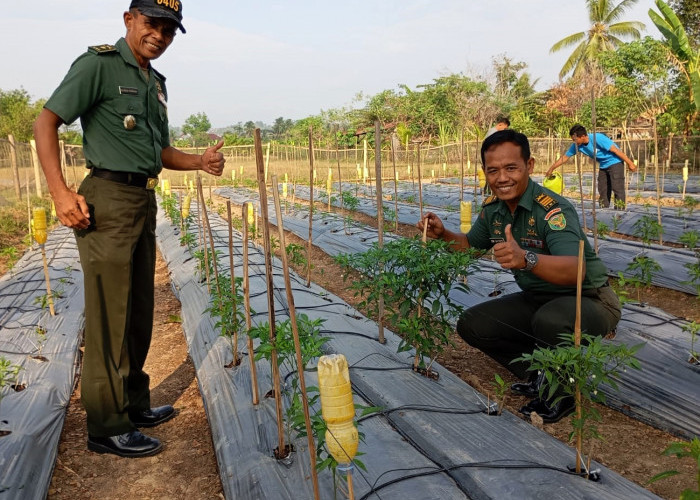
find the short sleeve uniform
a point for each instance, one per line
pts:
(104, 87)
(544, 223)
(603, 156)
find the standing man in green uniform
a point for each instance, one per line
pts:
(535, 233)
(122, 105)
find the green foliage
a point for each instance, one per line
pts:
(196, 126)
(297, 254)
(414, 279)
(500, 389)
(682, 53)
(683, 449)
(17, 114)
(603, 229)
(690, 238)
(693, 328)
(647, 228)
(643, 268)
(568, 368)
(8, 374)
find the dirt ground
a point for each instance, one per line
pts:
(187, 467)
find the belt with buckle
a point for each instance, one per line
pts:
(128, 178)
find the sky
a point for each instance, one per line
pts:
(259, 60)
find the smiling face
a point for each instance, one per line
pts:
(148, 37)
(507, 172)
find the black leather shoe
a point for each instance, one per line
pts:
(131, 444)
(531, 388)
(152, 416)
(550, 413)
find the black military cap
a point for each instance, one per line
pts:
(170, 9)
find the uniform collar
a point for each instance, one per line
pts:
(128, 56)
(525, 200)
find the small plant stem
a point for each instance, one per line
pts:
(270, 290)
(233, 283)
(246, 300)
(311, 206)
(577, 343)
(380, 217)
(297, 343)
(48, 281)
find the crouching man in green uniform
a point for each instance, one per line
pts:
(534, 233)
(122, 105)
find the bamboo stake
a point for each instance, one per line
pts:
(577, 343)
(396, 187)
(246, 299)
(380, 216)
(281, 449)
(297, 343)
(595, 167)
(340, 178)
(311, 206)
(461, 164)
(577, 161)
(203, 212)
(656, 175)
(49, 294)
(233, 282)
(420, 182)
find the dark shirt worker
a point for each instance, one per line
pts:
(534, 233)
(122, 105)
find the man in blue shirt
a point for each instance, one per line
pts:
(611, 173)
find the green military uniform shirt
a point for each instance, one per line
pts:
(122, 109)
(544, 223)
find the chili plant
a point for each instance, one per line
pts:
(568, 368)
(8, 374)
(683, 449)
(693, 328)
(227, 306)
(311, 343)
(414, 279)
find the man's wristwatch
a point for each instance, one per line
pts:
(530, 260)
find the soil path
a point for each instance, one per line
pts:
(187, 466)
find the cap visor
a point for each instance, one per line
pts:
(162, 14)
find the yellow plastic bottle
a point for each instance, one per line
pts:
(186, 206)
(39, 224)
(337, 407)
(465, 216)
(482, 177)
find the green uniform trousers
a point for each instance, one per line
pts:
(117, 254)
(507, 327)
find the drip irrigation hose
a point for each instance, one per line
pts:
(482, 465)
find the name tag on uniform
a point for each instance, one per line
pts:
(128, 90)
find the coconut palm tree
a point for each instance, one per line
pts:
(603, 35)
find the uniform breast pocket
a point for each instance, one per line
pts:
(130, 111)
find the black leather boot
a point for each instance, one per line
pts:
(531, 388)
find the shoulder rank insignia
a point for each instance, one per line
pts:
(491, 199)
(545, 201)
(102, 49)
